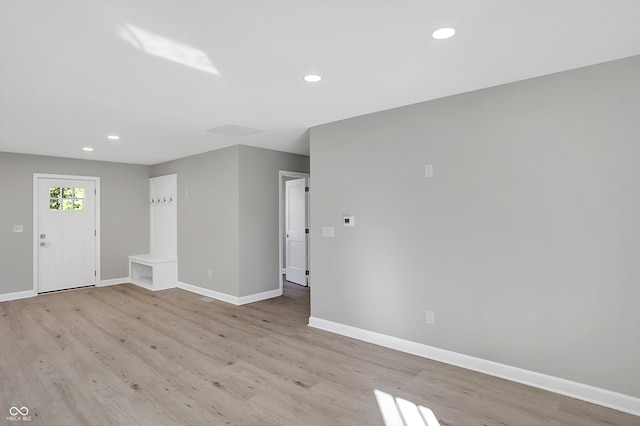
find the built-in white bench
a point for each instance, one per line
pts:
(153, 272)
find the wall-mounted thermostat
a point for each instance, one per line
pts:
(349, 220)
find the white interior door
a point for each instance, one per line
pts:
(66, 234)
(295, 228)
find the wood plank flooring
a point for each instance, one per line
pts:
(123, 355)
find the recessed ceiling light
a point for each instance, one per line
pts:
(87, 148)
(443, 33)
(113, 137)
(312, 78)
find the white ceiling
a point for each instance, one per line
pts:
(72, 72)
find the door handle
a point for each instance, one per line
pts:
(43, 244)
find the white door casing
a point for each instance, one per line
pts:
(65, 233)
(295, 229)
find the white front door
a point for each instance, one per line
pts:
(66, 234)
(295, 228)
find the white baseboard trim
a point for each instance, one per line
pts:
(234, 300)
(606, 398)
(17, 295)
(210, 293)
(114, 281)
(260, 296)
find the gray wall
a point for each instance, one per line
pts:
(229, 221)
(124, 213)
(208, 218)
(526, 241)
(259, 215)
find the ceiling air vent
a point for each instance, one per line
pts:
(234, 130)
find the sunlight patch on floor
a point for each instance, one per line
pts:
(400, 412)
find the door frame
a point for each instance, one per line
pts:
(36, 201)
(282, 175)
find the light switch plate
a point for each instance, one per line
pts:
(431, 317)
(17, 228)
(327, 231)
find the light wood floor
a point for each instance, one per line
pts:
(125, 355)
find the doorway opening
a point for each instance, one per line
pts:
(290, 243)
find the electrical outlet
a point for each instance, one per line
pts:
(428, 170)
(431, 317)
